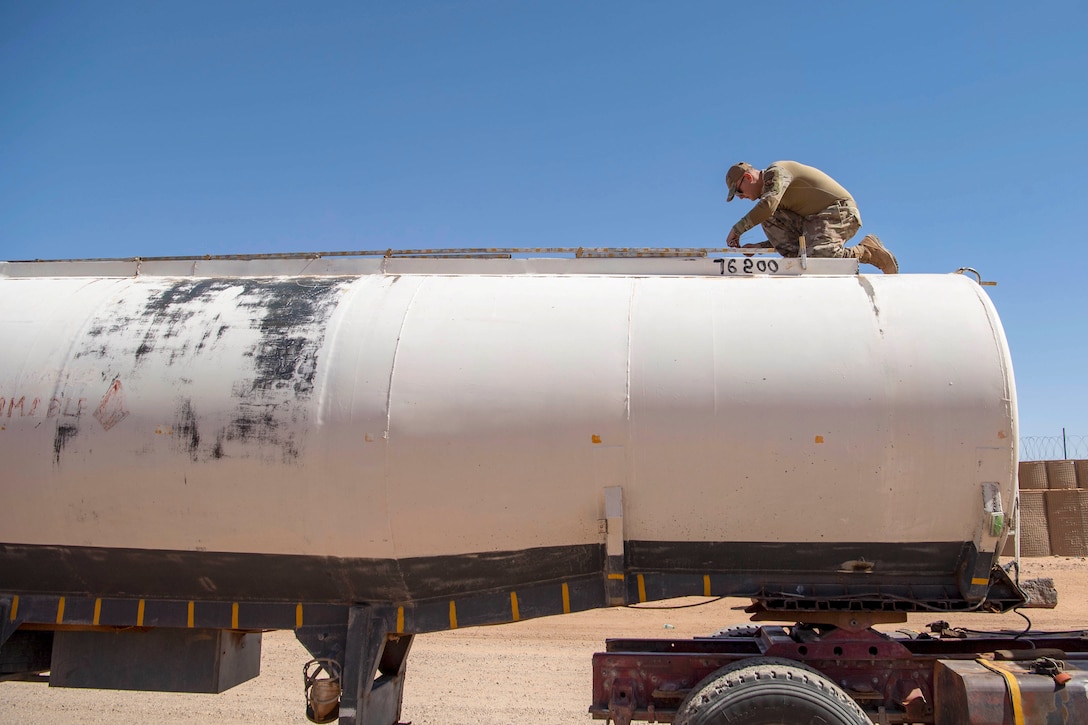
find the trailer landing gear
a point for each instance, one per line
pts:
(357, 674)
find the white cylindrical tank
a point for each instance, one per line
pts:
(402, 429)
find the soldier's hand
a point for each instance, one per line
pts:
(733, 240)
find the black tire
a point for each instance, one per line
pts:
(768, 691)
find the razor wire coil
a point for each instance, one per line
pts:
(1053, 448)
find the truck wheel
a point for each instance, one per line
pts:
(768, 691)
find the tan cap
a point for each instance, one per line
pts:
(734, 175)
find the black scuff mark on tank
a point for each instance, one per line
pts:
(170, 313)
(263, 425)
(203, 340)
(93, 347)
(217, 449)
(254, 421)
(65, 432)
(279, 363)
(120, 332)
(98, 341)
(291, 317)
(98, 352)
(178, 352)
(292, 330)
(274, 378)
(871, 294)
(171, 309)
(208, 332)
(186, 429)
(145, 347)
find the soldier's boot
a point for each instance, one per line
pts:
(870, 251)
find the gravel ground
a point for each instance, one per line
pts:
(535, 672)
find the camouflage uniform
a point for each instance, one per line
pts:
(798, 199)
(826, 232)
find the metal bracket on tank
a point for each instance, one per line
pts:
(993, 512)
(613, 518)
(978, 277)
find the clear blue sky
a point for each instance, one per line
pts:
(161, 128)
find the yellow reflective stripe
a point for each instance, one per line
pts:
(566, 598)
(97, 611)
(140, 614)
(641, 588)
(60, 610)
(190, 617)
(14, 607)
(400, 619)
(298, 615)
(453, 615)
(616, 576)
(706, 585)
(234, 615)
(514, 606)
(976, 582)
(1013, 687)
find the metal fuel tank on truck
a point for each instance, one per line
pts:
(412, 431)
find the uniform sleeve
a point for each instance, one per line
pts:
(775, 182)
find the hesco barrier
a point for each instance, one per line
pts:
(1053, 509)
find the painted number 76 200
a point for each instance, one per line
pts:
(748, 266)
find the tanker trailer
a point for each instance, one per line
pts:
(364, 448)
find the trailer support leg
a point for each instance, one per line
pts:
(372, 661)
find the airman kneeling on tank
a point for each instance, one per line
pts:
(794, 200)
